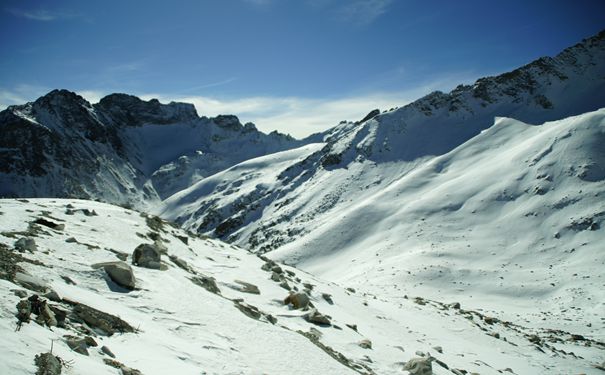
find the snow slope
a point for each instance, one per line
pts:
(184, 328)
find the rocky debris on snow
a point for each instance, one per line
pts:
(85, 211)
(148, 256)
(352, 326)
(298, 300)
(19, 293)
(9, 260)
(439, 349)
(247, 287)
(37, 306)
(284, 284)
(26, 244)
(123, 368)
(253, 311)
(80, 345)
(48, 364)
(206, 282)
(107, 351)
(419, 366)
(68, 280)
(99, 321)
(365, 344)
(180, 263)
(119, 272)
(71, 240)
(49, 224)
(328, 298)
(318, 318)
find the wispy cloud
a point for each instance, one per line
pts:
(40, 14)
(211, 84)
(364, 12)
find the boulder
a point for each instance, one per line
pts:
(419, 366)
(365, 344)
(297, 300)
(206, 282)
(31, 282)
(119, 272)
(47, 364)
(318, 318)
(247, 287)
(26, 244)
(147, 255)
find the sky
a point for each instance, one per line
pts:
(296, 66)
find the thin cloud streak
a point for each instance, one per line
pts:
(364, 12)
(40, 14)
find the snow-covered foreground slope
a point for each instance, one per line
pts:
(170, 324)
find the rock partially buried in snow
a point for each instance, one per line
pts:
(31, 282)
(247, 287)
(47, 364)
(419, 366)
(148, 256)
(26, 244)
(119, 272)
(365, 344)
(318, 318)
(297, 300)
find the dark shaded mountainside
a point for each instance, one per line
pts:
(122, 150)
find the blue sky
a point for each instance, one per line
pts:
(298, 66)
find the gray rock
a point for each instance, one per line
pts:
(71, 240)
(107, 351)
(277, 277)
(207, 283)
(316, 317)
(284, 284)
(26, 244)
(365, 344)
(297, 300)
(147, 255)
(19, 293)
(180, 263)
(419, 366)
(47, 364)
(120, 272)
(31, 282)
(328, 298)
(78, 345)
(247, 287)
(277, 269)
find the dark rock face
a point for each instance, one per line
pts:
(62, 146)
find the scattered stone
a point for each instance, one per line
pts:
(26, 244)
(46, 315)
(316, 317)
(31, 282)
(184, 239)
(534, 339)
(49, 224)
(308, 286)
(490, 320)
(419, 366)
(419, 301)
(495, 335)
(19, 293)
(53, 296)
(124, 369)
(47, 364)
(315, 333)
(207, 283)
(575, 337)
(284, 284)
(180, 263)
(68, 280)
(277, 277)
(351, 290)
(455, 305)
(71, 240)
(119, 272)
(147, 255)
(78, 345)
(297, 300)
(247, 287)
(438, 349)
(352, 326)
(248, 310)
(107, 351)
(100, 321)
(277, 269)
(365, 344)
(328, 298)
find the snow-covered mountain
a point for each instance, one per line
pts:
(121, 150)
(442, 198)
(155, 299)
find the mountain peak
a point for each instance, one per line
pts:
(134, 111)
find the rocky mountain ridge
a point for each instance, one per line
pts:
(60, 145)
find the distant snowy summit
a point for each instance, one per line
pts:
(122, 150)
